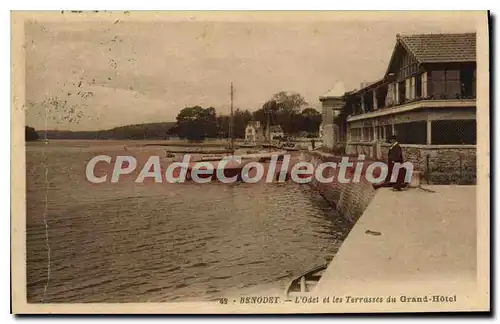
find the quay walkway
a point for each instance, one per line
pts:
(410, 242)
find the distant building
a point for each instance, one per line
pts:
(331, 106)
(254, 132)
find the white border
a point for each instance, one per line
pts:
(192, 5)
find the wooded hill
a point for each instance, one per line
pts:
(137, 131)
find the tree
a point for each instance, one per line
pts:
(310, 120)
(288, 102)
(282, 109)
(240, 121)
(197, 123)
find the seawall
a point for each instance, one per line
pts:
(350, 199)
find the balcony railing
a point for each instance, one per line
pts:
(406, 101)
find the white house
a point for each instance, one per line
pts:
(254, 132)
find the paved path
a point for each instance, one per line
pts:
(427, 242)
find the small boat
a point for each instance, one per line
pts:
(211, 158)
(257, 156)
(272, 144)
(248, 144)
(305, 282)
(262, 156)
(169, 154)
(289, 146)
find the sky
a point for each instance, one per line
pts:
(123, 71)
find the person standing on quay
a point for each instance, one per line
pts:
(395, 155)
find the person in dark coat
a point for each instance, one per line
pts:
(395, 155)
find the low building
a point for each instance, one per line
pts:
(427, 98)
(254, 132)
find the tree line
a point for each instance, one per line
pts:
(155, 131)
(289, 110)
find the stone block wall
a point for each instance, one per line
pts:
(349, 199)
(443, 164)
(439, 164)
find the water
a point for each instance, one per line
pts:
(138, 243)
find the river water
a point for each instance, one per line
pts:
(125, 242)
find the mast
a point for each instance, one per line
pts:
(231, 127)
(268, 125)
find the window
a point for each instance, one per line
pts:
(453, 87)
(380, 132)
(446, 84)
(381, 96)
(468, 83)
(389, 99)
(401, 92)
(453, 132)
(368, 101)
(474, 84)
(374, 98)
(412, 132)
(412, 88)
(407, 89)
(418, 87)
(423, 86)
(388, 131)
(367, 134)
(438, 84)
(356, 134)
(396, 93)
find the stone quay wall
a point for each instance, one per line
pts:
(349, 199)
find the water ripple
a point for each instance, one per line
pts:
(125, 243)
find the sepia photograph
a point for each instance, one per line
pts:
(244, 162)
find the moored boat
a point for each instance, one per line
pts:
(289, 146)
(305, 282)
(247, 145)
(211, 158)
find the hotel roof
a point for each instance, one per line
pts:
(441, 48)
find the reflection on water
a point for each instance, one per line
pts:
(136, 243)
